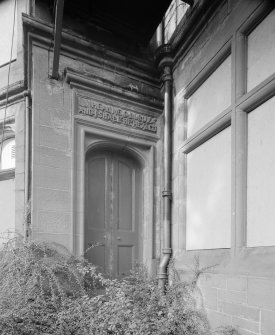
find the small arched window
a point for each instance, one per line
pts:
(8, 154)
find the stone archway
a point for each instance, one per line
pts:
(89, 140)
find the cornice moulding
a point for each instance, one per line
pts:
(92, 51)
(190, 27)
(137, 137)
(99, 85)
(16, 93)
(14, 88)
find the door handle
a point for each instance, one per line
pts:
(118, 238)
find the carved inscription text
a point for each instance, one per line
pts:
(117, 115)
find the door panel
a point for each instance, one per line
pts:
(113, 211)
(98, 257)
(126, 193)
(96, 190)
(125, 259)
(95, 227)
(125, 197)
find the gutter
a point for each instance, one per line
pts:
(59, 8)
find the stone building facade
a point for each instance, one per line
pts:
(91, 153)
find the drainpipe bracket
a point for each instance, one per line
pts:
(162, 276)
(167, 251)
(163, 52)
(167, 194)
(166, 77)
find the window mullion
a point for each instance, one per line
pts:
(239, 172)
(239, 146)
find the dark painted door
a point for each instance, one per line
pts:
(113, 206)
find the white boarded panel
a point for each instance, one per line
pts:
(7, 208)
(261, 176)
(211, 98)
(261, 51)
(6, 27)
(208, 194)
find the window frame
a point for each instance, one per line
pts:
(8, 61)
(209, 130)
(245, 102)
(236, 115)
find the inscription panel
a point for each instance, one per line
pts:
(116, 115)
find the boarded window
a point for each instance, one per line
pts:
(261, 52)
(6, 27)
(7, 209)
(208, 194)
(211, 98)
(173, 16)
(8, 155)
(261, 176)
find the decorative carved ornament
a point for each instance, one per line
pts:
(116, 115)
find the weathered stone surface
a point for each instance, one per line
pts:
(246, 324)
(210, 296)
(242, 311)
(232, 296)
(267, 322)
(218, 319)
(237, 283)
(261, 293)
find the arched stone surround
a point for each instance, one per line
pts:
(93, 134)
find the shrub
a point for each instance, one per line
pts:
(136, 305)
(44, 290)
(38, 281)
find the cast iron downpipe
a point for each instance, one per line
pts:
(165, 64)
(28, 156)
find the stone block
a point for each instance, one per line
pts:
(52, 200)
(64, 239)
(246, 332)
(20, 117)
(54, 158)
(54, 139)
(241, 311)
(54, 222)
(213, 280)
(237, 284)
(246, 324)
(49, 177)
(175, 236)
(20, 158)
(54, 115)
(268, 322)
(218, 319)
(19, 221)
(19, 181)
(20, 137)
(261, 293)
(209, 297)
(232, 296)
(19, 199)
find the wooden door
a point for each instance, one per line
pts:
(113, 183)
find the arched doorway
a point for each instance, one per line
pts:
(113, 210)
